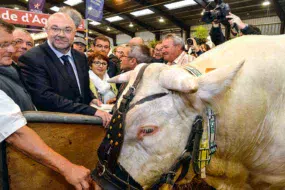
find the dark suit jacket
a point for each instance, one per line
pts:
(47, 80)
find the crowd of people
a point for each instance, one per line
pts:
(61, 75)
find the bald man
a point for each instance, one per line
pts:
(24, 42)
(136, 41)
(57, 75)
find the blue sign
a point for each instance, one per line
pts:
(36, 5)
(94, 9)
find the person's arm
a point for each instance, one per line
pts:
(233, 19)
(216, 34)
(29, 143)
(13, 129)
(195, 45)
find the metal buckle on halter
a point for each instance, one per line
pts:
(101, 169)
(133, 89)
(169, 177)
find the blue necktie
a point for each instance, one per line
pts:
(69, 70)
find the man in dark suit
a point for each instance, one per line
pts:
(56, 75)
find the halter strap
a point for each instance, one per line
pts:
(147, 99)
(111, 146)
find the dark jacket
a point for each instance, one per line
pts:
(11, 84)
(251, 30)
(51, 88)
(217, 35)
(113, 66)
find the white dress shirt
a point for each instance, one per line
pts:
(70, 58)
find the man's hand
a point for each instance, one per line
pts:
(95, 186)
(78, 176)
(112, 100)
(233, 19)
(97, 102)
(106, 117)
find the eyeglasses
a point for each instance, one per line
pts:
(20, 42)
(98, 63)
(120, 52)
(57, 30)
(102, 47)
(5, 45)
(158, 49)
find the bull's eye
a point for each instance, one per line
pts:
(146, 131)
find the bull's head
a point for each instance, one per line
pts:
(156, 131)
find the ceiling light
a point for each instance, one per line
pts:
(94, 23)
(90, 32)
(131, 25)
(89, 8)
(266, 3)
(72, 2)
(54, 8)
(27, 0)
(180, 4)
(114, 18)
(108, 29)
(17, 8)
(142, 12)
(161, 19)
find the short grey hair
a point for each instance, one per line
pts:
(24, 31)
(74, 14)
(141, 53)
(177, 40)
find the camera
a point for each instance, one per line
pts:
(189, 42)
(219, 13)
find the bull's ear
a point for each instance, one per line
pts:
(214, 82)
(178, 79)
(124, 77)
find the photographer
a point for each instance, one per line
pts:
(221, 15)
(192, 47)
(196, 50)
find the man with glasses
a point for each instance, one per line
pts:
(115, 57)
(24, 42)
(102, 44)
(157, 54)
(57, 75)
(132, 56)
(14, 99)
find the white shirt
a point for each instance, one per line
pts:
(11, 118)
(70, 58)
(182, 59)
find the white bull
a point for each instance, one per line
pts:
(247, 92)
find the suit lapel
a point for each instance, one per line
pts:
(58, 64)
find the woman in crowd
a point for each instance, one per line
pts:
(102, 90)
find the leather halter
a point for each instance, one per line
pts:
(109, 174)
